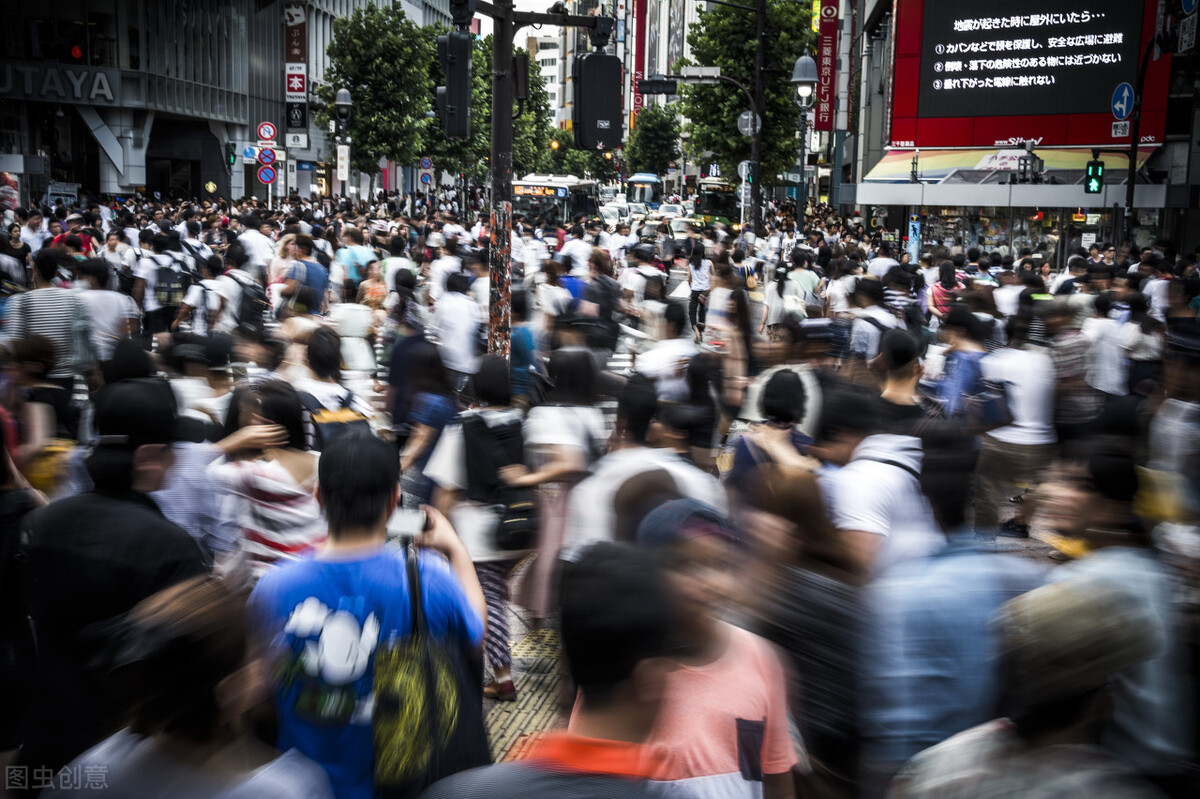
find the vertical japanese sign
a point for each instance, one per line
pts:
(639, 57)
(827, 39)
(295, 56)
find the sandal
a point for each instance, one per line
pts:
(500, 691)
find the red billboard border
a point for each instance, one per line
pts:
(907, 129)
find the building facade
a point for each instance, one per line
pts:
(164, 98)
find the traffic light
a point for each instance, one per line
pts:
(1094, 182)
(454, 99)
(554, 144)
(230, 153)
(658, 84)
(462, 11)
(597, 116)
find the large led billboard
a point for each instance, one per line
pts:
(984, 73)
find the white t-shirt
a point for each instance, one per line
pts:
(865, 336)
(1029, 388)
(591, 516)
(227, 286)
(203, 298)
(439, 270)
(701, 279)
(456, 319)
(666, 364)
(879, 492)
(878, 267)
(108, 312)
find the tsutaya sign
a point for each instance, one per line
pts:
(20, 81)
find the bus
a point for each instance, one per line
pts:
(716, 201)
(644, 188)
(556, 199)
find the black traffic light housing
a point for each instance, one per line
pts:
(597, 114)
(658, 84)
(462, 11)
(230, 153)
(454, 99)
(1093, 183)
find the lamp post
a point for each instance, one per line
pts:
(804, 78)
(341, 108)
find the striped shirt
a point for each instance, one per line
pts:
(280, 519)
(49, 312)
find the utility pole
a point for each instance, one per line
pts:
(507, 20)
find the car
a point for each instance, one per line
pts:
(689, 208)
(680, 226)
(620, 209)
(670, 210)
(610, 215)
(638, 211)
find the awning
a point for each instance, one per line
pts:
(935, 166)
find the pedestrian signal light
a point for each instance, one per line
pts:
(231, 154)
(1094, 182)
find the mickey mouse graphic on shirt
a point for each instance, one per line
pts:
(331, 653)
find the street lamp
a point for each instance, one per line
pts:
(804, 78)
(341, 108)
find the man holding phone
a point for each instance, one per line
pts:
(325, 617)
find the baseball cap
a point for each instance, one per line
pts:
(133, 413)
(682, 519)
(1069, 637)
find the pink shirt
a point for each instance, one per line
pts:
(723, 725)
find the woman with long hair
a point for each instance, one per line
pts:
(942, 293)
(776, 305)
(434, 405)
(699, 285)
(269, 476)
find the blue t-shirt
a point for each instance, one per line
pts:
(325, 621)
(312, 276)
(521, 354)
(355, 258)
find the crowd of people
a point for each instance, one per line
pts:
(847, 525)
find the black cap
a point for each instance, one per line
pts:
(133, 413)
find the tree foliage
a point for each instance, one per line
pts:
(568, 159)
(725, 37)
(382, 57)
(654, 142)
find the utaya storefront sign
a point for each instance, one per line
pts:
(61, 84)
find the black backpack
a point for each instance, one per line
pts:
(328, 425)
(252, 306)
(171, 284)
(489, 448)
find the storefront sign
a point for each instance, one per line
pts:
(827, 41)
(639, 56)
(59, 84)
(295, 56)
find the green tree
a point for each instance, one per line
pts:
(654, 142)
(382, 57)
(725, 37)
(567, 159)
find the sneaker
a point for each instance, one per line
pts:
(500, 691)
(1014, 529)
